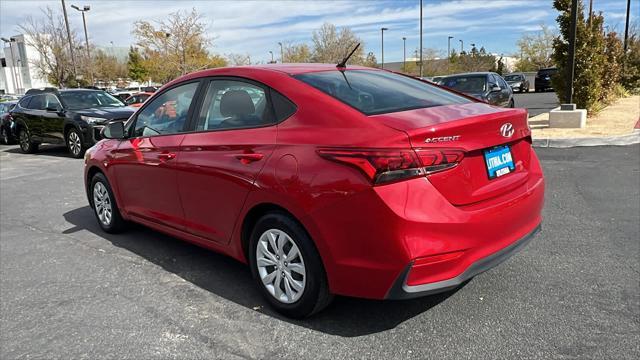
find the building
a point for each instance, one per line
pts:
(18, 73)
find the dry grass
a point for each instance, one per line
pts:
(618, 118)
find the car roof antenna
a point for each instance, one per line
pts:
(343, 64)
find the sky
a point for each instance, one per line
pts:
(256, 27)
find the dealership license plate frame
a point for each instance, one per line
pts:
(498, 171)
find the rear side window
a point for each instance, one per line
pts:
(282, 106)
(37, 102)
(24, 102)
(377, 92)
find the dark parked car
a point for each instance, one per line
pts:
(543, 79)
(518, 82)
(74, 117)
(486, 86)
(7, 126)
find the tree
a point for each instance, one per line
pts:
(135, 65)
(631, 75)
(589, 56)
(297, 53)
(536, 50)
(49, 38)
(331, 46)
(239, 59)
(175, 46)
(108, 68)
(614, 57)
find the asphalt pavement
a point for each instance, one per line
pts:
(67, 290)
(536, 102)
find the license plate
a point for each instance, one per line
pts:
(499, 161)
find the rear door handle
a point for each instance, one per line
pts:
(249, 158)
(166, 156)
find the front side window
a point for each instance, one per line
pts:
(231, 104)
(377, 92)
(38, 102)
(52, 102)
(167, 113)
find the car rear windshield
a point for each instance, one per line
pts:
(75, 100)
(475, 84)
(378, 92)
(547, 71)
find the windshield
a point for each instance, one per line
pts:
(513, 77)
(466, 84)
(377, 92)
(75, 100)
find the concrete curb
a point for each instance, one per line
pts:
(627, 139)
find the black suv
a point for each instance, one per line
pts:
(74, 117)
(543, 79)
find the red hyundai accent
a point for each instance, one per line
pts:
(326, 181)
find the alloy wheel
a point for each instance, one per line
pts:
(25, 142)
(102, 203)
(5, 136)
(280, 266)
(74, 143)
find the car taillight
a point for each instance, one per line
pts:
(390, 165)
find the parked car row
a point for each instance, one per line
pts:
(74, 117)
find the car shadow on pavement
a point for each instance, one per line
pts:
(45, 150)
(223, 276)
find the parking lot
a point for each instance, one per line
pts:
(69, 290)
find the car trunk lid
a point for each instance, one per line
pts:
(473, 128)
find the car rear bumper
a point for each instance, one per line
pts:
(401, 290)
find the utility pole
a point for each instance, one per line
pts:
(572, 50)
(404, 54)
(281, 53)
(66, 23)
(86, 37)
(626, 28)
(382, 40)
(14, 77)
(421, 65)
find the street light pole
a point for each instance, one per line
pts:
(449, 47)
(461, 45)
(86, 37)
(572, 51)
(281, 53)
(14, 78)
(66, 22)
(421, 65)
(404, 54)
(382, 40)
(271, 52)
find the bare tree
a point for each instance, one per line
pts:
(48, 37)
(297, 53)
(536, 50)
(175, 46)
(239, 59)
(331, 46)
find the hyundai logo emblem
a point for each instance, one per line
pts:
(507, 130)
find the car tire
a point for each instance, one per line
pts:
(5, 139)
(104, 205)
(74, 143)
(26, 145)
(276, 238)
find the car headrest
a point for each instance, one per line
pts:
(236, 103)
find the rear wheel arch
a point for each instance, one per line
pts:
(252, 217)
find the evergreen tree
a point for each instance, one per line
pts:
(137, 71)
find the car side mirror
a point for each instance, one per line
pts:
(55, 109)
(495, 88)
(114, 130)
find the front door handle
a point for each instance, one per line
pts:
(167, 156)
(249, 158)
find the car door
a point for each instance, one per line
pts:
(494, 97)
(53, 119)
(33, 118)
(145, 163)
(235, 134)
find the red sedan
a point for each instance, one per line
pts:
(326, 181)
